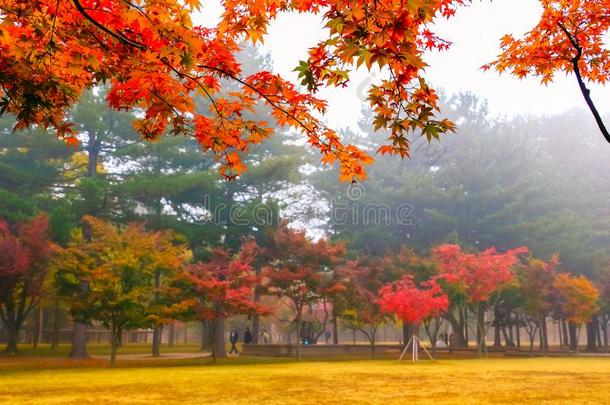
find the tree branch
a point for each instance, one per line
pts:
(586, 93)
(119, 37)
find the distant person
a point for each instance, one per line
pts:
(233, 337)
(248, 336)
(265, 337)
(327, 336)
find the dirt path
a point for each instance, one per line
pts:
(147, 356)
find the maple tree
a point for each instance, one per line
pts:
(406, 260)
(297, 268)
(534, 279)
(108, 276)
(412, 302)
(330, 291)
(578, 299)
(479, 276)
(362, 280)
(169, 255)
(157, 60)
(225, 287)
(570, 37)
(25, 252)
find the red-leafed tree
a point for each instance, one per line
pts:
(408, 261)
(224, 286)
(298, 270)
(411, 302)
(479, 277)
(25, 252)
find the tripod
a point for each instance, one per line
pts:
(414, 342)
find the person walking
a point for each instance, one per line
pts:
(247, 336)
(233, 337)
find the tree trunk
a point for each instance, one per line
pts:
(55, 332)
(171, 334)
(544, 339)
(531, 328)
(114, 343)
(497, 326)
(573, 337)
(256, 320)
(12, 335)
(156, 340)
(212, 326)
(407, 332)
(37, 331)
(335, 329)
(432, 327)
(566, 336)
(298, 328)
(457, 327)
(206, 342)
(79, 333)
(605, 330)
(79, 342)
(372, 341)
(482, 345)
(497, 336)
(508, 338)
(592, 328)
(219, 339)
(158, 329)
(465, 326)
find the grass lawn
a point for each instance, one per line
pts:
(247, 380)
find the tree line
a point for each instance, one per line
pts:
(128, 277)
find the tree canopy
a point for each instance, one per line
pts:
(157, 61)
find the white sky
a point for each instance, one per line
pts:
(475, 32)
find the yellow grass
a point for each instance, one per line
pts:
(257, 381)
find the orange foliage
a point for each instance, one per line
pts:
(567, 29)
(579, 297)
(157, 60)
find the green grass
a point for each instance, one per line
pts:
(243, 380)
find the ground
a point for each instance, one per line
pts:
(32, 379)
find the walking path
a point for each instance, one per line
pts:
(148, 356)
